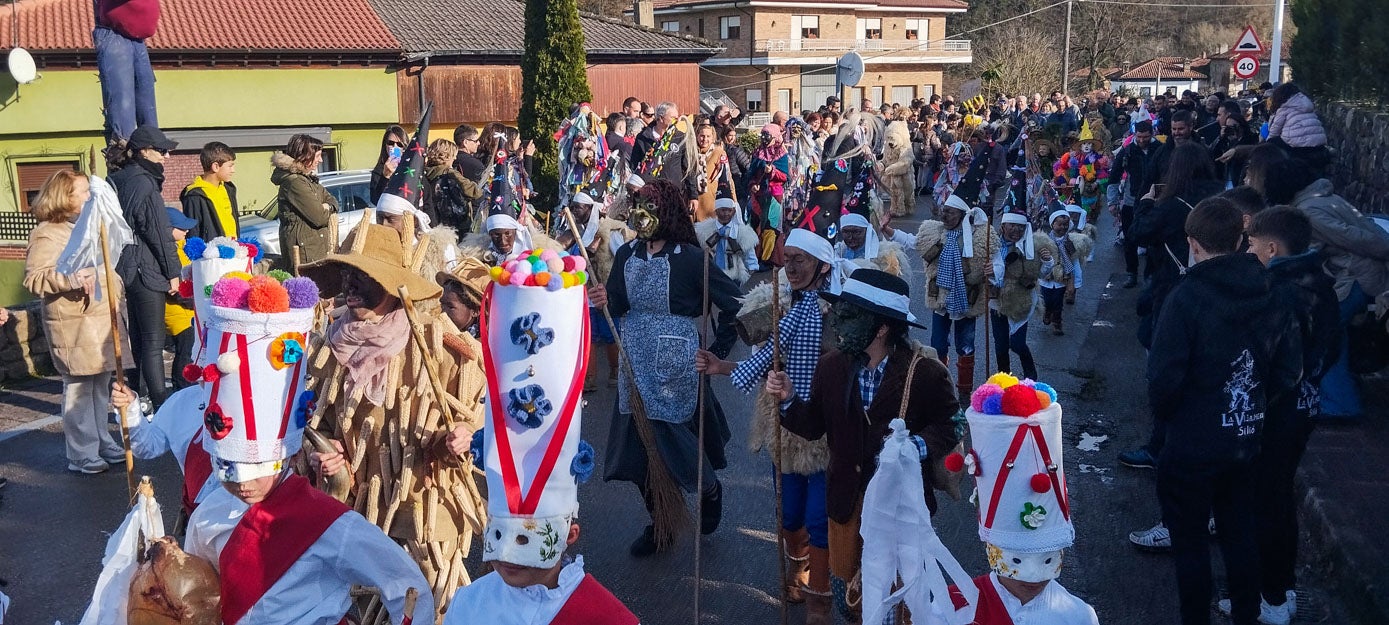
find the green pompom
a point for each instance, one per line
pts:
(207, 291)
(280, 275)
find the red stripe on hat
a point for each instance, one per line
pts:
(293, 399)
(247, 405)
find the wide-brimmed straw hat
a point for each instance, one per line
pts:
(377, 251)
(472, 275)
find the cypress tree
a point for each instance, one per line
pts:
(552, 80)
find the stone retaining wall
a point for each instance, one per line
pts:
(23, 347)
(1360, 139)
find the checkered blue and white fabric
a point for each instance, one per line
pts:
(801, 329)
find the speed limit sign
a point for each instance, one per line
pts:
(1246, 66)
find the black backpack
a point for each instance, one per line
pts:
(445, 203)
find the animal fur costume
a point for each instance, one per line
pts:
(929, 243)
(1020, 277)
(896, 172)
(404, 480)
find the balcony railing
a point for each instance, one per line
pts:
(947, 46)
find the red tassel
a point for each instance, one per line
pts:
(954, 462)
(1041, 482)
(192, 373)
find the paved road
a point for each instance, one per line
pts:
(53, 524)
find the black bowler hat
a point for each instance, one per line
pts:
(878, 292)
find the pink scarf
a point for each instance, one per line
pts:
(366, 349)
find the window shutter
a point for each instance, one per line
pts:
(31, 177)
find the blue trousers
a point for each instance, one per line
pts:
(127, 83)
(1016, 342)
(940, 335)
(803, 505)
(1340, 397)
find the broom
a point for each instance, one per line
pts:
(699, 455)
(668, 513)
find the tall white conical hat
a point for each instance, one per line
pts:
(535, 336)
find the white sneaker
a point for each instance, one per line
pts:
(1156, 538)
(1210, 526)
(1291, 602)
(89, 467)
(1268, 614)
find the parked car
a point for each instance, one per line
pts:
(352, 190)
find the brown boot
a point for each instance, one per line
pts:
(819, 604)
(796, 548)
(964, 376)
(1056, 324)
(1070, 292)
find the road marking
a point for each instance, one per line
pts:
(1102, 324)
(1090, 443)
(29, 427)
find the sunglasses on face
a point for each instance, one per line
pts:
(395, 143)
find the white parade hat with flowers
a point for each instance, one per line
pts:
(1016, 460)
(250, 361)
(535, 334)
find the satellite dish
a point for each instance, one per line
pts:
(849, 70)
(21, 65)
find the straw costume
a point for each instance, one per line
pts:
(389, 390)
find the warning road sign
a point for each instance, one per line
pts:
(1245, 66)
(1248, 42)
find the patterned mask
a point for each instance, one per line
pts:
(1024, 567)
(644, 220)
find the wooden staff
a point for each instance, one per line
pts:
(776, 478)
(120, 368)
(430, 366)
(411, 596)
(988, 316)
(699, 414)
(668, 512)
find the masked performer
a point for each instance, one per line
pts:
(766, 182)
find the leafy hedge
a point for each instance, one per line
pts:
(1341, 50)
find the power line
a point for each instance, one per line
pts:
(1179, 5)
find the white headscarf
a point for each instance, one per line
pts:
(870, 240)
(973, 217)
(635, 181)
(820, 248)
(725, 202)
(1077, 224)
(503, 221)
(1025, 244)
(591, 227)
(1060, 212)
(392, 204)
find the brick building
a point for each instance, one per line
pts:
(780, 54)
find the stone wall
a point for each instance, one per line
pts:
(23, 347)
(1360, 139)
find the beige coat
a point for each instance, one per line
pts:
(78, 327)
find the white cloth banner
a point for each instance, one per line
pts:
(84, 247)
(112, 592)
(899, 543)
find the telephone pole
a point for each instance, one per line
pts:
(1066, 63)
(1275, 55)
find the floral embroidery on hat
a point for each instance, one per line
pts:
(218, 424)
(528, 405)
(527, 333)
(1033, 516)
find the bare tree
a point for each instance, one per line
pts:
(1011, 59)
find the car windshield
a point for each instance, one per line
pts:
(353, 196)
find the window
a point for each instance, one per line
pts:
(870, 28)
(903, 94)
(1145, 92)
(916, 29)
(855, 99)
(805, 26)
(876, 95)
(671, 27)
(783, 100)
(330, 158)
(730, 27)
(754, 100)
(31, 176)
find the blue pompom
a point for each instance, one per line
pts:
(476, 447)
(1046, 388)
(226, 252)
(260, 249)
(993, 404)
(581, 467)
(194, 247)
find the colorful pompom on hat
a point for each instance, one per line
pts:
(251, 363)
(535, 331)
(1016, 460)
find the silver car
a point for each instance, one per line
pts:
(352, 189)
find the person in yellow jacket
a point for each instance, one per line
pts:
(178, 313)
(211, 198)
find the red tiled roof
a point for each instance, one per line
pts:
(1163, 67)
(196, 25)
(906, 4)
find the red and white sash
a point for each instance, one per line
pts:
(592, 604)
(271, 537)
(197, 467)
(989, 610)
